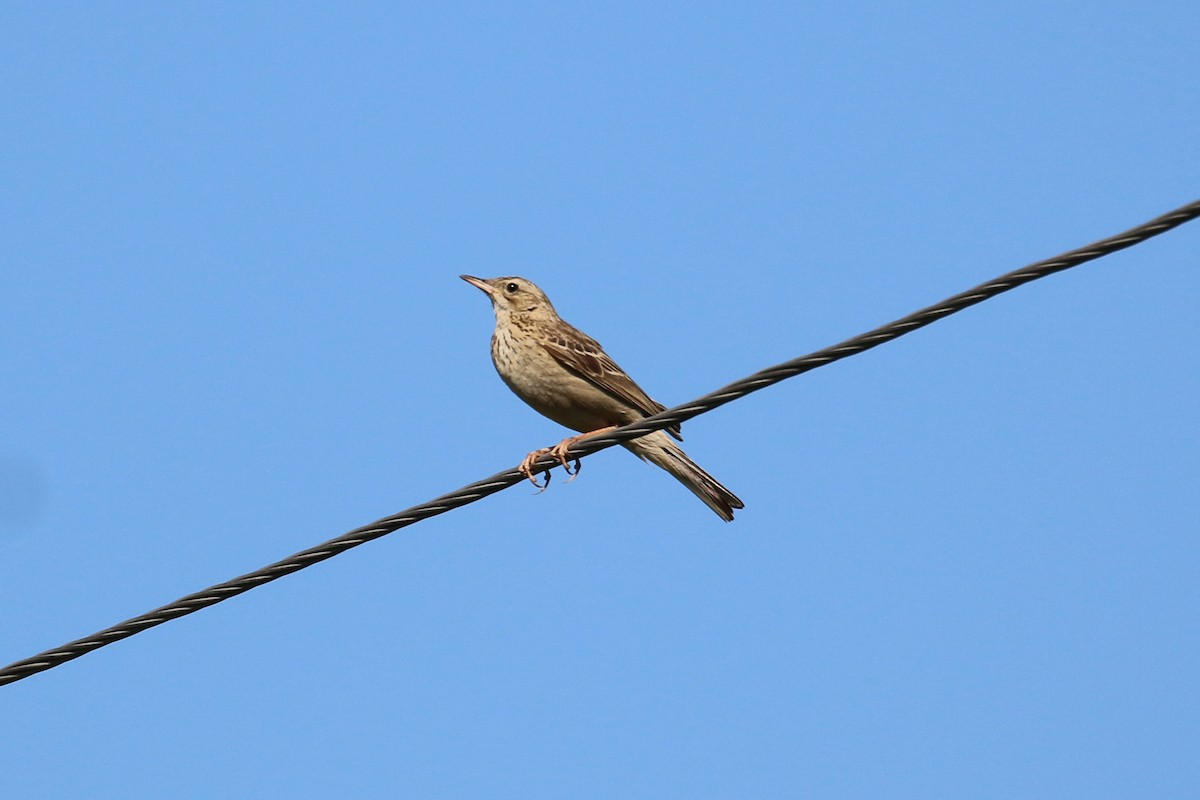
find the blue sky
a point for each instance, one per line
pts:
(233, 328)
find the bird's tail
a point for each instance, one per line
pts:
(661, 451)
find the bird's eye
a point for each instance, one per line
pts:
(510, 287)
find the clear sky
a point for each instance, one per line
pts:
(232, 327)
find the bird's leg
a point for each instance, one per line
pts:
(526, 469)
(560, 450)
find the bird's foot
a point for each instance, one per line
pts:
(526, 469)
(559, 450)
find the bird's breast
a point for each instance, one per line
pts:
(537, 378)
(524, 365)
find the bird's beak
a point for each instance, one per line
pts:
(479, 283)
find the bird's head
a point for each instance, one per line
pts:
(513, 296)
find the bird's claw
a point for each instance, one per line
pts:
(526, 469)
(559, 451)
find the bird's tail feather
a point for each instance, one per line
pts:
(661, 451)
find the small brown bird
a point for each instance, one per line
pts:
(565, 375)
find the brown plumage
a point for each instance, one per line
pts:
(565, 375)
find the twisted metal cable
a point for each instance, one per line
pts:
(502, 480)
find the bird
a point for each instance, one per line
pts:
(564, 374)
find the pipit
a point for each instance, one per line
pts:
(565, 375)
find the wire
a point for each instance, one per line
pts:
(502, 480)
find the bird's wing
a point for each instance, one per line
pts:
(582, 355)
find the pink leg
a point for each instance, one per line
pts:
(560, 449)
(526, 469)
